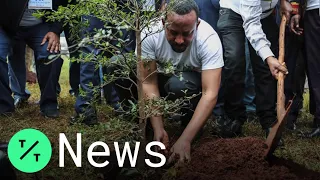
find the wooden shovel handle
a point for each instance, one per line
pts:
(281, 38)
(276, 131)
(281, 97)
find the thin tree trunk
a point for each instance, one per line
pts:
(141, 103)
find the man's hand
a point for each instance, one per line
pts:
(286, 9)
(275, 67)
(162, 136)
(180, 150)
(53, 42)
(295, 24)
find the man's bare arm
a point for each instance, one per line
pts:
(286, 9)
(210, 88)
(151, 90)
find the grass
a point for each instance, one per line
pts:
(109, 130)
(302, 151)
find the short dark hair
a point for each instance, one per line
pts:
(183, 7)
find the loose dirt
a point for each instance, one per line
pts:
(240, 158)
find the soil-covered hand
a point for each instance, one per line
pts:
(295, 24)
(53, 42)
(180, 151)
(275, 67)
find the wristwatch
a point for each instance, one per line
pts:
(295, 7)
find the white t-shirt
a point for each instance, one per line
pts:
(313, 4)
(203, 53)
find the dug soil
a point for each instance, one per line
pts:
(239, 159)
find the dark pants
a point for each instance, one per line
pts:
(6, 100)
(249, 92)
(295, 80)
(18, 76)
(233, 75)
(17, 72)
(74, 66)
(48, 75)
(312, 37)
(89, 73)
(172, 88)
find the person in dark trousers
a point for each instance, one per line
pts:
(18, 74)
(17, 77)
(74, 66)
(89, 75)
(294, 83)
(309, 13)
(251, 19)
(43, 38)
(295, 80)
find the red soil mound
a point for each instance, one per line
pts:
(239, 159)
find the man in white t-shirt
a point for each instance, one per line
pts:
(194, 49)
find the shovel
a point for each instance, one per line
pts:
(282, 111)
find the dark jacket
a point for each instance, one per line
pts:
(209, 11)
(66, 2)
(11, 12)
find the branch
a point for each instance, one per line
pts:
(129, 89)
(149, 76)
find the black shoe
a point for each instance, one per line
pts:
(219, 124)
(89, 120)
(281, 141)
(50, 113)
(314, 133)
(227, 127)
(20, 102)
(74, 93)
(291, 126)
(236, 127)
(292, 118)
